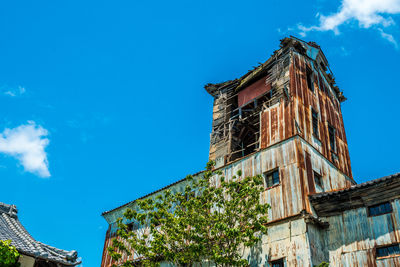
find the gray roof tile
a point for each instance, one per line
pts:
(12, 229)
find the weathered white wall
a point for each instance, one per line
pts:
(26, 261)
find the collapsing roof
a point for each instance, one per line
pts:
(309, 49)
(12, 229)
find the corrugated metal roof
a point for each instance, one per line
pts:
(355, 187)
(12, 229)
(149, 194)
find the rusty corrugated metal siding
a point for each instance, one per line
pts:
(353, 237)
(285, 140)
(328, 108)
(256, 89)
(287, 199)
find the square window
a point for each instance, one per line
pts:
(277, 263)
(271, 178)
(388, 251)
(319, 186)
(132, 226)
(380, 209)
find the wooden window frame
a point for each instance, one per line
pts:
(277, 261)
(376, 205)
(270, 172)
(318, 177)
(315, 116)
(334, 148)
(386, 246)
(310, 79)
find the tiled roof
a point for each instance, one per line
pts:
(355, 187)
(12, 229)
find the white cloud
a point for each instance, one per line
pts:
(367, 13)
(15, 91)
(389, 38)
(27, 143)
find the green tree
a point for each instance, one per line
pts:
(8, 254)
(212, 221)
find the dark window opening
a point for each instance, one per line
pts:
(271, 178)
(315, 123)
(132, 226)
(379, 209)
(310, 83)
(319, 186)
(332, 138)
(388, 251)
(245, 126)
(277, 263)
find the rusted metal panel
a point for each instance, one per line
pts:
(106, 259)
(329, 110)
(353, 237)
(310, 174)
(276, 125)
(253, 91)
(317, 242)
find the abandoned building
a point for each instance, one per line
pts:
(32, 253)
(283, 120)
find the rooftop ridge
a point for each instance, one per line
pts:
(11, 210)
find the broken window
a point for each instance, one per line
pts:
(277, 263)
(310, 83)
(380, 209)
(319, 187)
(315, 123)
(271, 178)
(332, 138)
(388, 251)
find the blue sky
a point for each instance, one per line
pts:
(103, 101)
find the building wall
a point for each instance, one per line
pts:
(287, 119)
(286, 142)
(287, 199)
(352, 237)
(324, 101)
(26, 261)
(288, 240)
(292, 116)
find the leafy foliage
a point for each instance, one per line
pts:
(213, 220)
(8, 254)
(323, 264)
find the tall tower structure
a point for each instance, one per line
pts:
(292, 93)
(283, 120)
